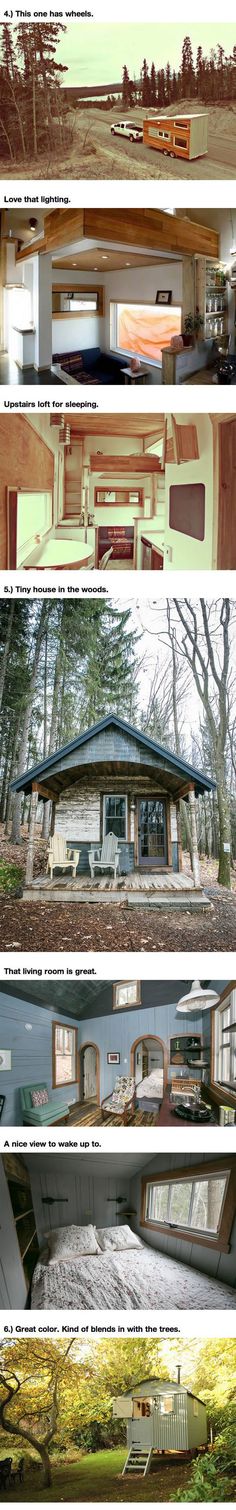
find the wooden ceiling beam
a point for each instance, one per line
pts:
(153, 229)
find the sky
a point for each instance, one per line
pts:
(95, 53)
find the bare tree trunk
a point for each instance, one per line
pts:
(30, 846)
(57, 692)
(6, 652)
(23, 751)
(203, 660)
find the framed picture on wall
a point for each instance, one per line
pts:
(113, 1058)
(164, 296)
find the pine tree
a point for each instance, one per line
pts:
(145, 83)
(153, 85)
(187, 69)
(125, 88)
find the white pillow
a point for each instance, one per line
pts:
(116, 1237)
(71, 1242)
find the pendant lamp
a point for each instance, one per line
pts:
(198, 999)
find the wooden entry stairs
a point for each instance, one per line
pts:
(138, 1461)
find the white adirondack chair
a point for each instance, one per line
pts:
(60, 857)
(105, 856)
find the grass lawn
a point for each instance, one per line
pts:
(96, 1478)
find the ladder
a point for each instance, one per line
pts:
(138, 1461)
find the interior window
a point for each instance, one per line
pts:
(196, 1203)
(144, 330)
(126, 993)
(34, 519)
(64, 1054)
(115, 816)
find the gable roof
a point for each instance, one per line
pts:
(201, 781)
(167, 1384)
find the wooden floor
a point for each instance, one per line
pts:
(139, 881)
(91, 1116)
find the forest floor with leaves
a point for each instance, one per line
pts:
(98, 1478)
(63, 927)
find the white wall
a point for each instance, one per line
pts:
(77, 334)
(141, 284)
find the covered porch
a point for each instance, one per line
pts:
(113, 781)
(133, 890)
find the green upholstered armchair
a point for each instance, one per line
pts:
(49, 1111)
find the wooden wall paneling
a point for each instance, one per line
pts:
(152, 229)
(120, 465)
(25, 461)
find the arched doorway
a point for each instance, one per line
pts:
(148, 1053)
(90, 1073)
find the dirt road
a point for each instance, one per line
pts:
(96, 154)
(219, 162)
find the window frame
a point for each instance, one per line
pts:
(120, 351)
(71, 1028)
(128, 1005)
(222, 1092)
(219, 1240)
(123, 797)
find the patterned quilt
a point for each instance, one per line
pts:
(135, 1279)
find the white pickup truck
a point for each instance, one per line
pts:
(127, 128)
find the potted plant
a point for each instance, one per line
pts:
(198, 324)
(188, 332)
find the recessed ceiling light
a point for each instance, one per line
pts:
(104, 256)
(128, 264)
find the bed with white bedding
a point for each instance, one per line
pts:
(149, 1092)
(115, 1270)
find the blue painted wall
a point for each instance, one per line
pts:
(119, 1031)
(31, 1052)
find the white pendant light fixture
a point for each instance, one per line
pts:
(198, 999)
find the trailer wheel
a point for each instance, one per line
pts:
(131, 138)
(171, 154)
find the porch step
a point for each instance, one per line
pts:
(165, 900)
(192, 902)
(137, 1462)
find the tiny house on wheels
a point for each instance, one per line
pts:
(180, 136)
(162, 1417)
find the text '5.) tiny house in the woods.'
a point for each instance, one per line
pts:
(162, 1417)
(115, 801)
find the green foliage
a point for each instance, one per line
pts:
(205, 1483)
(11, 877)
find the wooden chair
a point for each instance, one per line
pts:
(105, 559)
(105, 856)
(60, 857)
(120, 1104)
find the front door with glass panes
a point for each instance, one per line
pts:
(152, 828)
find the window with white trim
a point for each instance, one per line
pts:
(64, 1054)
(225, 1043)
(115, 816)
(126, 993)
(194, 1203)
